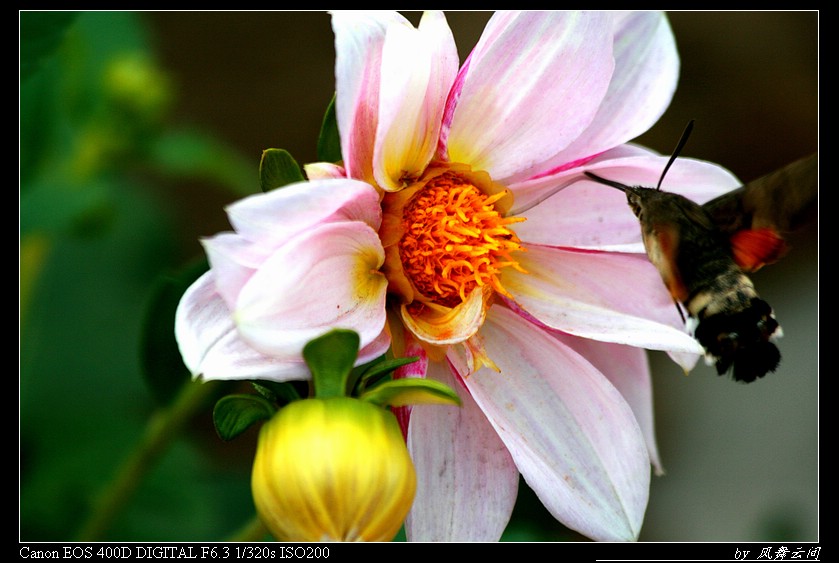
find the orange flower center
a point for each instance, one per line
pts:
(455, 240)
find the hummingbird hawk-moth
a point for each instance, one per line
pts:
(704, 253)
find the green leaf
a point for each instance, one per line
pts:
(411, 391)
(234, 414)
(163, 368)
(40, 35)
(193, 154)
(329, 140)
(331, 358)
(277, 169)
(276, 392)
(371, 372)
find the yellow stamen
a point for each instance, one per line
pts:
(455, 240)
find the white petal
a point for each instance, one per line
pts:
(210, 344)
(645, 78)
(269, 219)
(605, 296)
(233, 260)
(533, 84)
(627, 368)
(570, 432)
(322, 279)
(466, 480)
(418, 68)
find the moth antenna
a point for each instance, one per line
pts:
(682, 142)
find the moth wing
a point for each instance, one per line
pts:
(782, 200)
(754, 248)
(662, 244)
(756, 215)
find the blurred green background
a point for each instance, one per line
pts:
(137, 128)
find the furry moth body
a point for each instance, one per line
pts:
(703, 253)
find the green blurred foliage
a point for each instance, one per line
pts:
(98, 285)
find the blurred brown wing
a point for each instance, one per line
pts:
(757, 215)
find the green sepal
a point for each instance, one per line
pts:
(276, 392)
(329, 140)
(233, 414)
(370, 373)
(411, 391)
(277, 168)
(331, 358)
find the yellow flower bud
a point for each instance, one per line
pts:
(334, 469)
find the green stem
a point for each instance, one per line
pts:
(160, 431)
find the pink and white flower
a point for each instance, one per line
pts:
(460, 228)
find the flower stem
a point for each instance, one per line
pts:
(161, 429)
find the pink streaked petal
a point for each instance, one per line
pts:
(359, 37)
(418, 68)
(587, 214)
(210, 344)
(539, 73)
(532, 192)
(271, 218)
(628, 369)
(645, 78)
(322, 279)
(606, 296)
(467, 482)
(571, 433)
(698, 180)
(324, 171)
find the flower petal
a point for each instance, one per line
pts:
(359, 37)
(571, 210)
(570, 432)
(233, 260)
(210, 344)
(645, 78)
(605, 296)
(324, 170)
(418, 68)
(322, 279)
(271, 218)
(533, 83)
(466, 480)
(628, 369)
(449, 326)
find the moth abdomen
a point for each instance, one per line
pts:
(740, 340)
